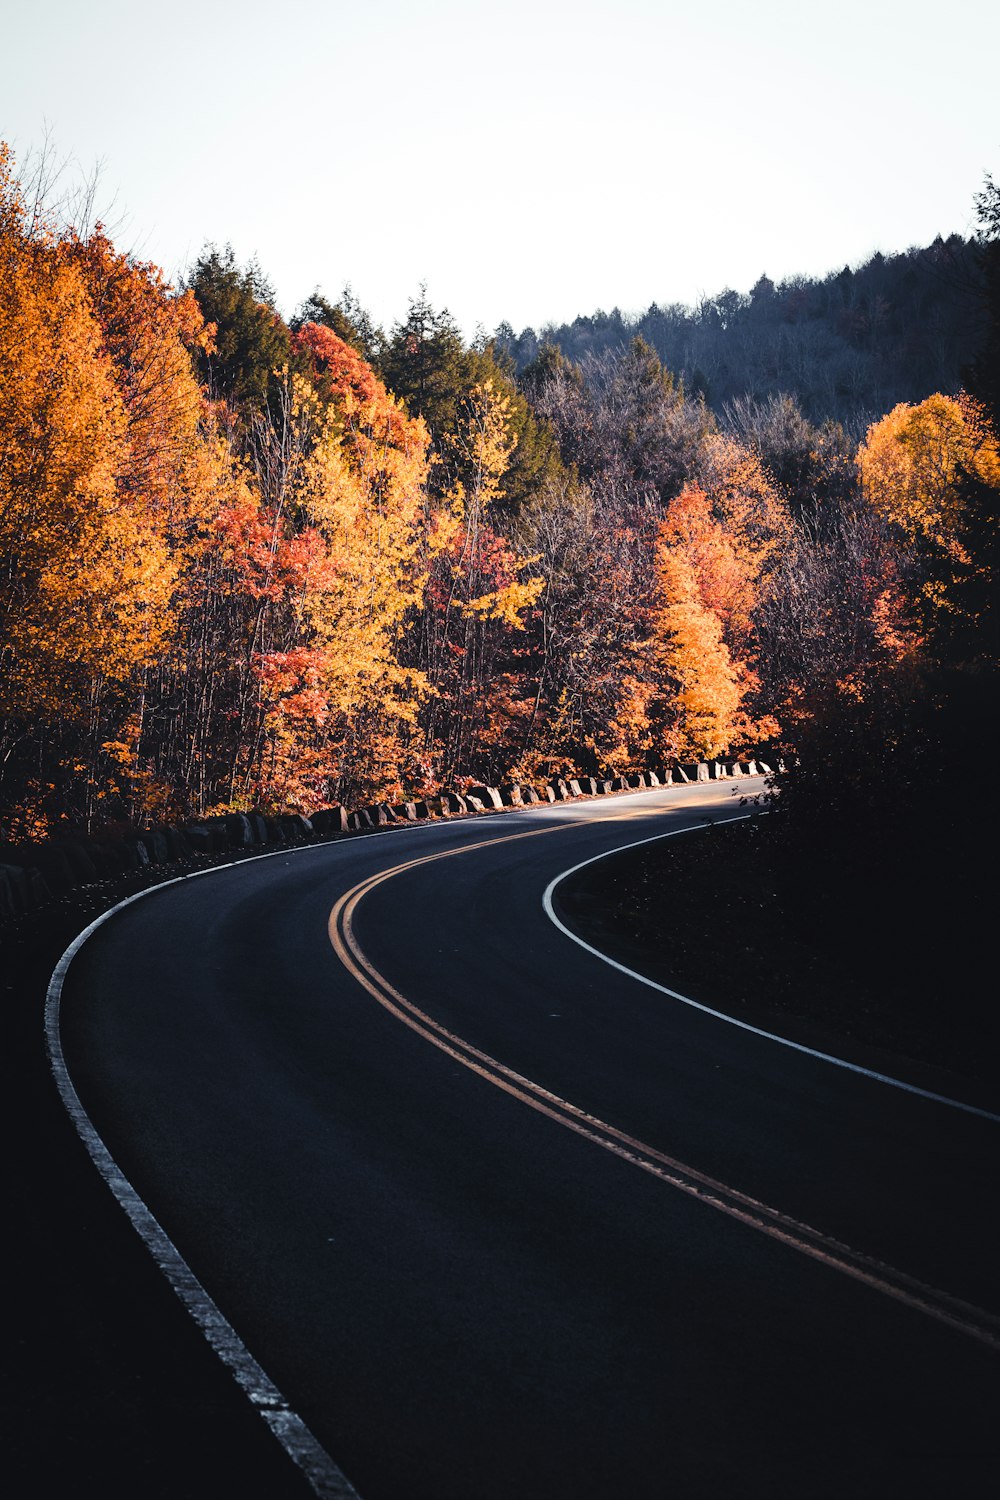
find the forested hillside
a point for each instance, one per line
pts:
(255, 563)
(849, 346)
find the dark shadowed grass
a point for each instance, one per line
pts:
(832, 948)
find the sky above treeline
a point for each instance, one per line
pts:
(529, 161)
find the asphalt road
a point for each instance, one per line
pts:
(499, 1221)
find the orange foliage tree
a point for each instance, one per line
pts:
(111, 474)
(714, 556)
(694, 710)
(84, 594)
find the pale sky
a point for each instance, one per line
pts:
(529, 161)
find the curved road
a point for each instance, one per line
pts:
(500, 1221)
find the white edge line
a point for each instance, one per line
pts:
(325, 1478)
(770, 1036)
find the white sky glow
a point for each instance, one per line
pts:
(530, 161)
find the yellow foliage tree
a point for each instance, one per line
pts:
(911, 461)
(339, 702)
(362, 487)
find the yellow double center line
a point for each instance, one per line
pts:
(881, 1277)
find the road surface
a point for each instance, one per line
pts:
(500, 1221)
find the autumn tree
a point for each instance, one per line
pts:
(834, 621)
(555, 528)
(87, 565)
(114, 474)
(715, 552)
(589, 633)
(933, 472)
(476, 597)
(635, 439)
(338, 561)
(427, 364)
(694, 709)
(612, 710)
(912, 460)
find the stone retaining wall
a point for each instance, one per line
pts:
(31, 874)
